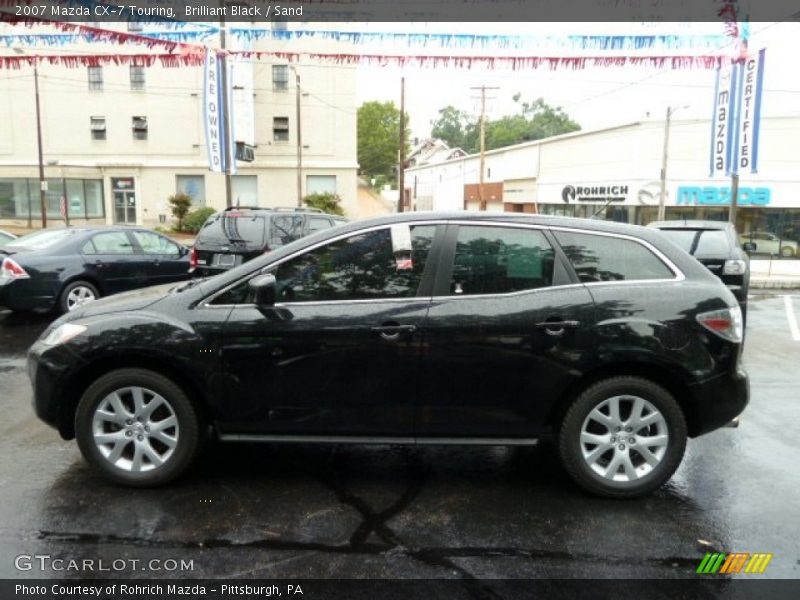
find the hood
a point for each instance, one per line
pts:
(135, 300)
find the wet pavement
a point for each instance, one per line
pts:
(267, 511)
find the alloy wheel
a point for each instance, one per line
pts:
(624, 438)
(78, 296)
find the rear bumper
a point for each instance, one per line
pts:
(719, 401)
(25, 294)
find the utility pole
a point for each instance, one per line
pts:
(662, 199)
(42, 182)
(230, 153)
(734, 198)
(401, 178)
(481, 195)
(299, 142)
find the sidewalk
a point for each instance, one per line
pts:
(775, 274)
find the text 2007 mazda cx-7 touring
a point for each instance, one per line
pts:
(419, 328)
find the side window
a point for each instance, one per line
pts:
(499, 260)
(361, 267)
(153, 243)
(110, 242)
(284, 229)
(318, 224)
(605, 258)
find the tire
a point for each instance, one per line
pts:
(75, 294)
(151, 436)
(787, 251)
(594, 469)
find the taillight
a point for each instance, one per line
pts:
(734, 267)
(11, 270)
(193, 258)
(726, 323)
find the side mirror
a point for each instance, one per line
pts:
(749, 247)
(264, 289)
(182, 250)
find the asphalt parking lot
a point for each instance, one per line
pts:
(399, 512)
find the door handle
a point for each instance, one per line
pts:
(391, 333)
(99, 264)
(556, 326)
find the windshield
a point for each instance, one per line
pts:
(699, 241)
(235, 228)
(43, 239)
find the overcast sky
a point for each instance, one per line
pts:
(594, 97)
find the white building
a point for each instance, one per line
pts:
(615, 173)
(119, 140)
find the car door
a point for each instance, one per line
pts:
(506, 326)
(165, 262)
(317, 223)
(110, 258)
(338, 354)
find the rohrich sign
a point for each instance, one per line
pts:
(594, 193)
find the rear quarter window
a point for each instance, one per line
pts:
(607, 258)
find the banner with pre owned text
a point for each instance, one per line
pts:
(218, 141)
(737, 112)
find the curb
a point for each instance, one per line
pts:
(780, 284)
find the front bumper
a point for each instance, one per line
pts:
(719, 400)
(48, 367)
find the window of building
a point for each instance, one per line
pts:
(139, 128)
(279, 25)
(193, 186)
(97, 126)
(361, 267)
(320, 184)
(606, 258)
(500, 260)
(135, 26)
(152, 243)
(137, 78)
(280, 78)
(19, 198)
(95, 78)
(280, 129)
(244, 189)
(110, 242)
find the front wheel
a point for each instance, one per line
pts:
(623, 437)
(137, 427)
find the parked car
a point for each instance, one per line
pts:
(418, 328)
(715, 244)
(238, 234)
(6, 237)
(66, 268)
(764, 242)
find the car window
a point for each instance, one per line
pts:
(110, 242)
(318, 224)
(284, 229)
(152, 243)
(232, 227)
(43, 239)
(700, 241)
(360, 267)
(607, 258)
(499, 260)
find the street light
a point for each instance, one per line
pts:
(42, 182)
(299, 139)
(671, 110)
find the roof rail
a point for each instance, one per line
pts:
(276, 208)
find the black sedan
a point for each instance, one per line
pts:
(66, 268)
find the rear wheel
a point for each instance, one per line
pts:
(787, 251)
(76, 294)
(137, 427)
(623, 437)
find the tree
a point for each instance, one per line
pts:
(378, 137)
(326, 202)
(180, 204)
(535, 121)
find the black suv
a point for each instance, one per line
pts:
(240, 233)
(418, 328)
(716, 245)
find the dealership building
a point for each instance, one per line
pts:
(614, 173)
(119, 140)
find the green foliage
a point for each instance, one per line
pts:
(535, 121)
(195, 219)
(326, 202)
(180, 204)
(378, 137)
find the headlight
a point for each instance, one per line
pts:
(734, 267)
(63, 333)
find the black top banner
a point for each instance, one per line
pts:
(267, 11)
